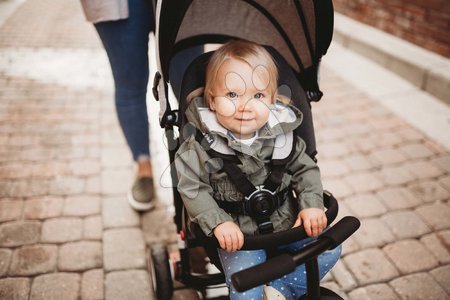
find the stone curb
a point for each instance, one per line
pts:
(424, 69)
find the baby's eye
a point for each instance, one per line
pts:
(231, 95)
(259, 96)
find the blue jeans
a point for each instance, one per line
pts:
(126, 43)
(292, 285)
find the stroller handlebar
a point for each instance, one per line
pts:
(253, 242)
(286, 263)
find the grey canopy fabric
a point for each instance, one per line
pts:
(289, 26)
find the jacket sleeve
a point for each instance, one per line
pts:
(305, 178)
(194, 188)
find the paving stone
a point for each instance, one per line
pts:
(92, 285)
(333, 150)
(61, 230)
(436, 215)
(418, 286)
(442, 276)
(78, 206)
(343, 211)
(331, 133)
(365, 205)
(80, 256)
(442, 162)
(24, 188)
(444, 237)
(116, 181)
(405, 224)
(373, 233)
(93, 185)
(423, 170)
(389, 156)
(333, 168)
(374, 292)
(33, 260)
(110, 154)
(14, 288)
(5, 258)
(359, 162)
(404, 255)
(396, 198)
(395, 175)
(10, 210)
(43, 207)
(429, 191)
(335, 288)
(445, 182)
(409, 134)
(158, 226)
(343, 277)
(436, 247)
(363, 182)
(385, 123)
(85, 167)
(182, 294)
(416, 150)
(123, 249)
(364, 145)
(92, 228)
(55, 286)
(133, 284)
(19, 233)
(388, 140)
(349, 246)
(370, 266)
(116, 212)
(66, 185)
(338, 187)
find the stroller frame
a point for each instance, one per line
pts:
(171, 16)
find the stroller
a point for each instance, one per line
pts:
(296, 33)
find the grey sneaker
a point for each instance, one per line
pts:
(142, 194)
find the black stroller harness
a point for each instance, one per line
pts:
(259, 202)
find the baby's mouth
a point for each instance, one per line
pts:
(244, 119)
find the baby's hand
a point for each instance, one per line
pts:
(229, 235)
(313, 220)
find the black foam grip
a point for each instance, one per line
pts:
(341, 230)
(265, 272)
(290, 235)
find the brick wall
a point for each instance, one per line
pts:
(422, 22)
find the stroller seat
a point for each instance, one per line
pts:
(192, 236)
(297, 34)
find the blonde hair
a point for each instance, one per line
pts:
(252, 54)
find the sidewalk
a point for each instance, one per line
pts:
(67, 232)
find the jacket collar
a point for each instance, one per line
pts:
(283, 119)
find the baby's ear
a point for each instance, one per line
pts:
(211, 102)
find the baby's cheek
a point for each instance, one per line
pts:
(224, 106)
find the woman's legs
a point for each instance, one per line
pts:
(126, 43)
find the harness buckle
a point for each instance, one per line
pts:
(261, 203)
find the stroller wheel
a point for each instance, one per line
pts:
(162, 277)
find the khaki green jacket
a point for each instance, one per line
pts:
(201, 181)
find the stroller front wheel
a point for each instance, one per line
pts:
(162, 277)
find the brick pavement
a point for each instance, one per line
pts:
(66, 231)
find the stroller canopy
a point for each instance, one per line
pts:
(289, 26)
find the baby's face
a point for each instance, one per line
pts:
(240, 97)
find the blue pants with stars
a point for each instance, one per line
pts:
(292, 285)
